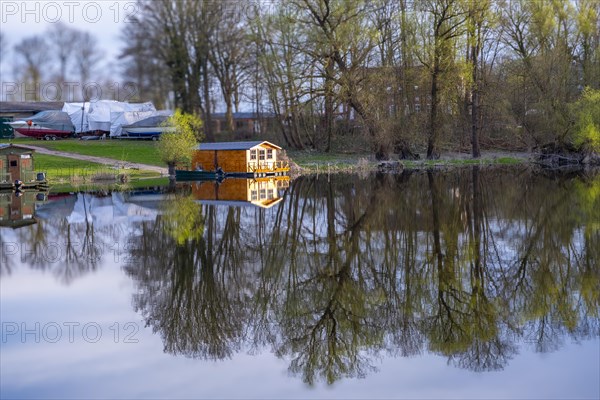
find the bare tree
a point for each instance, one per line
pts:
(142, 67)
(33, 62)
(442, 23)
(228, 56)
(478, 26)
(62, 41)
(87, 55)
(177, 35)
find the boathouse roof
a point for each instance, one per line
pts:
(235, 145)
(12, 147)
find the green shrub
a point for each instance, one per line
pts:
(586, 135)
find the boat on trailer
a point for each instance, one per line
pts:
(49, 125)
(148, 128)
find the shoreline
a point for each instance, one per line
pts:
(308, 162)
(312, 162)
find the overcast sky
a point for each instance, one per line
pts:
(103, 18)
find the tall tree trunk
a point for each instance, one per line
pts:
(432, 151)
(229, 113)
(171, 169)
(475, 89)
(329, 70)
(208, 127)
(381, 152)
(475, 102)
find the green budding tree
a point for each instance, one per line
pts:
(175, 147)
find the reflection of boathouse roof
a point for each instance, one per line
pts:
(235, 145)
(240, 203)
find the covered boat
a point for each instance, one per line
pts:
(47, 125)
(98, 116)
(150, 127)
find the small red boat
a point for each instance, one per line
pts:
(48, 125)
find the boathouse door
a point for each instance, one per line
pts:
(14, 167)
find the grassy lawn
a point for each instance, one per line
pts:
(60, 170)
(136, 151)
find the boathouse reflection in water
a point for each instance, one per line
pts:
(261, 192)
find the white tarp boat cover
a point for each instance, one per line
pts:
(112, 210)
(156, 119)
(97, 115)
(52, 119)
(78, 113)
(120, 119)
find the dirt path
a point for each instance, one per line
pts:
(99, 160)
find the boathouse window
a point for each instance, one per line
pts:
(253, 154)
(254, 195)
(269, 154)
(261, 155)
(263, 194)
(13, 163)
(270, 194)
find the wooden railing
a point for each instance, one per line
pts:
(269, 166)
(5, 177)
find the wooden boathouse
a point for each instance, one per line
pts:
(256, 159)
(17, 168)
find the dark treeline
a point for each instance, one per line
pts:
(397, 76)
(344, 270)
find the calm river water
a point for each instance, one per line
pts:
(474, 283)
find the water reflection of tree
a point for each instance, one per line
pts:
(328, 315)
(345, 269)
(189, 292)
(464, 324)
(550, 270)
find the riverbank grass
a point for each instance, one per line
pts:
(127, 151)
(61, 170)
(313, 162)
